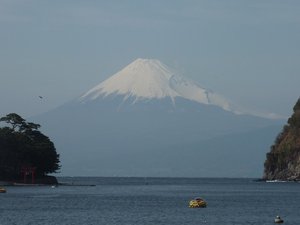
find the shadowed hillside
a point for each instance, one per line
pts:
(283, 161)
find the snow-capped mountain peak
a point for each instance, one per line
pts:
(150, 79)
(143, 78)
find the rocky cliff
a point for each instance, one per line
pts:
(283, 160)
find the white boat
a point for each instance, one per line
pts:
(278, 220)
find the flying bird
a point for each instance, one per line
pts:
(40, 97)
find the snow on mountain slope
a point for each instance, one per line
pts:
(149, 79)
(142, 79)
(190, 90)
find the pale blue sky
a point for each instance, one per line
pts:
(246, 50)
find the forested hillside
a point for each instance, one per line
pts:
(283, 161)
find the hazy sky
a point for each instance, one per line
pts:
(246, 50)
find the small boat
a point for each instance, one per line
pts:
(278, 220)
(2, 190)
(197, 203)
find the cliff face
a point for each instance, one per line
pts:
(283, 161)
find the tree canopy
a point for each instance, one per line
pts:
(23, 145)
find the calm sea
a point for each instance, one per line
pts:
(145, 201)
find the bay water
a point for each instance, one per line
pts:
(151, 201)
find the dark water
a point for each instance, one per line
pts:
(146, 201)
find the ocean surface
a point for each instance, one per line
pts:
(151, 201)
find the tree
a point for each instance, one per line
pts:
(297, 105)
(294, 120)
(23, 145)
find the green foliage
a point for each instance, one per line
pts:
(297, 105)
(22, 144)
(281, 135)
(294, 120)
(286, 148)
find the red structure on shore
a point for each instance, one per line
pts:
(27, 171)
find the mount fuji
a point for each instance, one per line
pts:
(146, 79)
(147, 120)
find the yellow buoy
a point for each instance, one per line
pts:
(197, 203)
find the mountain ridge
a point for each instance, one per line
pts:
(117, 138)
(118, 134)
(145, 79)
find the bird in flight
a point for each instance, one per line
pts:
(41, 97)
